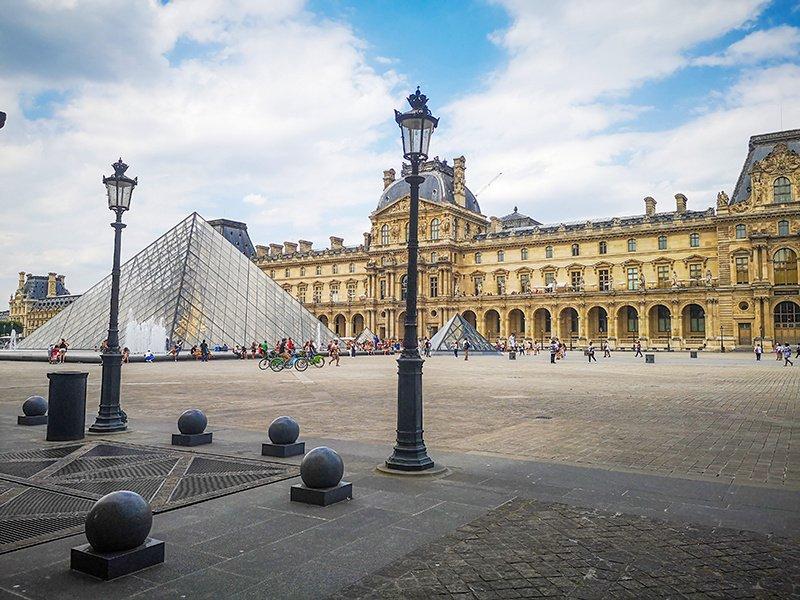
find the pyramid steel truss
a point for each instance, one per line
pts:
(190, 284)
(365, 336)
(457, 329)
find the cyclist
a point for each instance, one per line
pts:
(310, 349)
(282, 350)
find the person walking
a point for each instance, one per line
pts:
(455, 349)
(590, 352)
(553, 351)
(758, 350)
(203, 351)
(798, 351)
(333, 352)
(638, 349)
(467, 346)
(427, 347)
(787, 356)
(779, 351)
(606, 350)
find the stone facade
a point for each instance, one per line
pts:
(676, 279)
(38, 299)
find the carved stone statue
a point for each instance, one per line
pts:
(722, 200)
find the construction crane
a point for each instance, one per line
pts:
(495, 178)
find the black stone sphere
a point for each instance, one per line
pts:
(322, 468)
(34, 406)
(283, 430)
(191, 422)
(118, 521)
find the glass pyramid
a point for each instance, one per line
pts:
(365, 336)
(189, 285)
(457, 329)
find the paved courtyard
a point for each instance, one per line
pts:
(603, 480)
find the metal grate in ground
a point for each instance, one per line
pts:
(46, 493)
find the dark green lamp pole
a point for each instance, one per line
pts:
(410, 453)
(110, 417)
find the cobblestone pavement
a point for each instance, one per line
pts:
(527, 549)
(721, 417)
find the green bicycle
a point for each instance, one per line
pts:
(296, 361)
(317, 360)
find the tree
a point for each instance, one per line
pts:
(7, 326)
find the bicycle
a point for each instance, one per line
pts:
(317, 360)
(263, 364)
(298, 362)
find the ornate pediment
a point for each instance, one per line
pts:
(695, 258)
(781, 161)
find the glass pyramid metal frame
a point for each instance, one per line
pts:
(457, 329)
(189, 285)
(365, 336)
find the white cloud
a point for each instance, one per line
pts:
(555, 119)
(285, 108)
(782, 42)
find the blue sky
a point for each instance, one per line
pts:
(280, 114)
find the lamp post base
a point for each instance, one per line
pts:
(110, 418)
(410, 453)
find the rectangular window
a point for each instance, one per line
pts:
(317, 293)
(478, 281)
(633, 278)
(603, 280)
(695, 271)
(351, 292)
(742, 269)
(319, 270)
(334, 293)
(575, 280)
(301, 295)
(434, 286)
(382, 288)
(501, 285)
(662, 272)
(525, 283)
(549, 279)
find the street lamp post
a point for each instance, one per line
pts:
(721, 340)
(110, 417)
(410, 453)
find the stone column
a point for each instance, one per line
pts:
(644, 323)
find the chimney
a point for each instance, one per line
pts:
(21, 280)
(289, 247)
(261, 251)
(494, 225)
(305, 246)
(459, 181)
(275, 249)
(337, 243)
(51, 284)
(388, 178)
(367, 240)
(680, 203)
(649, 206)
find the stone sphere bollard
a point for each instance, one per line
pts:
(322, 468)
(35, 406)
(192, 422)
(284, 430)
(119, 521)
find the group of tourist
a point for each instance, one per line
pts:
(782, 352)
(57, 353)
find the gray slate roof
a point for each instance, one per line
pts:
(36, 287)
(760, 146)
(437, 187)
(236, 233)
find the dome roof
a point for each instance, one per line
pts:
(437, 187)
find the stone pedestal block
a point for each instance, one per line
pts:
(191, 439)
(110, 565)
(322, 496)
(650, 358)
(283, 450)
(32, 420)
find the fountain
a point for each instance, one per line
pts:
(12, 345)
(141, 337)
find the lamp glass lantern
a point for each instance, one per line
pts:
(416, 127)
(119, 188)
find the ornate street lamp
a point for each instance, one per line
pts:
(110, 417)
(721, 340)
(410, 453)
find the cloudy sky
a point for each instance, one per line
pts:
(279, 113)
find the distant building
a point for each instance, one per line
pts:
(38, 299)
(674, 279)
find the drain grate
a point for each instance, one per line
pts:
(77, 475)
(546, 417)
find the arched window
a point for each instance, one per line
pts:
(697, 319)
(501, 256)
(523, 254)
(576, 250)
(603, 247)
(352, 267)
(435, 229)
(694, 240)
(548, 252)
(662, 242)
(434, 257)
(406, 232)
(287, 272)
(478, 258)
(385, 235)
(783, 227)
(741, 231)
(631, 245)
(782, 190)
(784, 265)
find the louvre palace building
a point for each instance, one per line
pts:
(672, 277)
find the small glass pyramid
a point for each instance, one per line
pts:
(189, 285)
(366, 336)
(456, 330)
